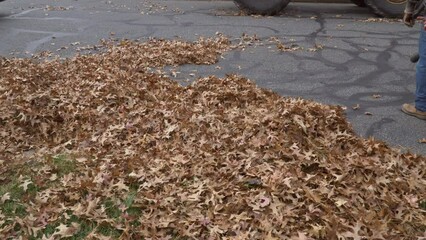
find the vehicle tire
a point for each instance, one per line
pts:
(387, 8)
(359, 3)
(262, 7)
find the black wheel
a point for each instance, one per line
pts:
(359, 3)
(387, 8)
(262, 7)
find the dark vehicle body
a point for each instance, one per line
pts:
(383, 8)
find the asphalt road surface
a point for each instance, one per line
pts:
(349, 57)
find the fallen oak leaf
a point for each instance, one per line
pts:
(356, 107)
(25, 184)
(65, 231)
(355, 232)
(120, 185)
(301, 236)
(423, 140)
(53, 177)
(311, 195)
(5, 197)
(286, 48)
(340, 202)
(299, 120)
(81, 159)
(92, 204)
(412, 200)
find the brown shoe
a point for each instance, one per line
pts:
(410, 109)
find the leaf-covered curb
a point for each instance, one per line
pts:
(99, 146)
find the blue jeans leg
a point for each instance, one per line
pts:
(421, 73)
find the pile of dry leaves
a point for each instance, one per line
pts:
(100, 146)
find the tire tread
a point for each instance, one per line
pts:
(270, 12)
(373, 5)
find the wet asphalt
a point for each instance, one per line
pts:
(346, 55)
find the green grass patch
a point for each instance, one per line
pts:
(86, 227)
(111, 209)
(50, 228)
(422, 204)
(108, 230)
(47, 231)
(13, 188)
(135, 223)
(12, 208)
(63, 164)
(134, 211)
(15, 205)
(128, 202)
(12, 185)
(134, 187)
